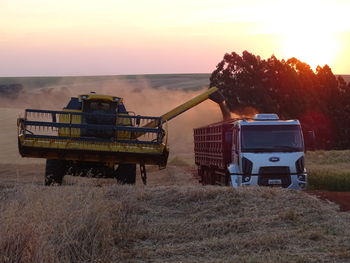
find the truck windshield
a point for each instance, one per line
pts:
(272, 138)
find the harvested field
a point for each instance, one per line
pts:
(169, 224)
(173, 218)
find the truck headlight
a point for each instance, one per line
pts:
(299, 165)
(247, 166)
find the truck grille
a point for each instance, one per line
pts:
(266, 174)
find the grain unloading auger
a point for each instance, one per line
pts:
(96, 136)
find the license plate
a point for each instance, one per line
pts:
(275, 181)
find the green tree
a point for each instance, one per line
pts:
(291, 89)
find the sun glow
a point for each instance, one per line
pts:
(309, 30)
(314, 49)
(38, 37)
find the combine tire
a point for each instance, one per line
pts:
(54, 172)
(126, 173)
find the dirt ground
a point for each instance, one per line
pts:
(340, 198)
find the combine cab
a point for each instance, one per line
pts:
(95, 136)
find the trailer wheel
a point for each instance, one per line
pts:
(54, 172)
(126, 173)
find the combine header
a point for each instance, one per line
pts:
(95, 136)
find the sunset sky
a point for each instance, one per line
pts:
(103, 37)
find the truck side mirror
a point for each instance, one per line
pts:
(235, 140)
(311, 140)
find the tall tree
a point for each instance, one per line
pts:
(291, 89)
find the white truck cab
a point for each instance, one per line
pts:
(267, 151)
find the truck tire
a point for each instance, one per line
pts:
(208, 176)
(205, 176)
(54, 172)
(126, 173)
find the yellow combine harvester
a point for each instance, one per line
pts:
(95, 136)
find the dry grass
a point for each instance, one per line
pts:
(68, 224)
(173, 219)
(168, 224)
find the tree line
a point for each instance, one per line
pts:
(319, 99)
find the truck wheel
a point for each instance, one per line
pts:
(200, 174)
(208, 177)
(205, 176)
(54, 171)
(126, 173)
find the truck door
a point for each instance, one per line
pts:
(235, 146)
(227, 146)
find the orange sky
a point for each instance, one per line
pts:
(93, 37)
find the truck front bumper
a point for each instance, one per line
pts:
(289, 181)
